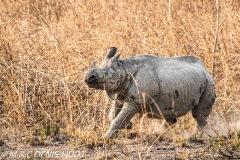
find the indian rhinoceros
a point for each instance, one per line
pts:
(164, 88)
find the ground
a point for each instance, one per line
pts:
(122, 149)
(128, 145)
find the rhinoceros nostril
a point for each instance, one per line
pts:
(92, 78)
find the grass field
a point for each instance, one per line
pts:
(47, 46)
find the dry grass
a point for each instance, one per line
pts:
(46, 47)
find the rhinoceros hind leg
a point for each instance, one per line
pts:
(204, 108)
(167, 123)
(164, 129)
(201, 112)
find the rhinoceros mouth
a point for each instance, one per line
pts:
(95, 81)
(94, 78)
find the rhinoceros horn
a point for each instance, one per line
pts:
(111, 52)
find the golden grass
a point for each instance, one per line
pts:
(46, 47)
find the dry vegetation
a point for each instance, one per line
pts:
(46, 47)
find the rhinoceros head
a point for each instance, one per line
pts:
(109, 75)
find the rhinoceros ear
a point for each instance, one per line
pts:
(115, 60)
(111, 52)
(93, 65)
(116, 57)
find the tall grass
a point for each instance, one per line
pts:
(46, 47)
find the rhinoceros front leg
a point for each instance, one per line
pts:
(115, 110)
(123, 118)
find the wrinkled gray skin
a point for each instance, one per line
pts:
(164, 88)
